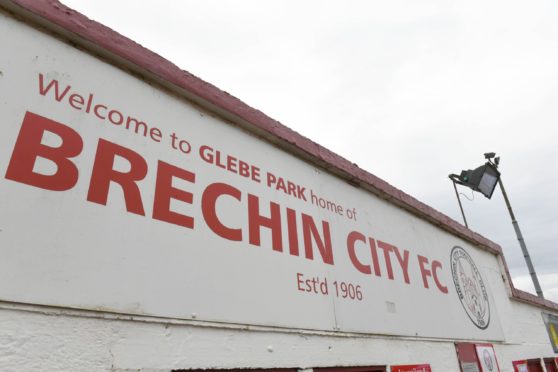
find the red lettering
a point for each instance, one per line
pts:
(403, 262)
(96, 111)
(209, 201)
(76, 101)
(281, 185)
(164, 192)
(435, 266)
(423, 270)
(28, 148)
(54, 83)
(89, 103)
(310, 232)
(352, 238)
(206, 153)
(155, 134)
(231, 164)
(299, 282)
(291, 188)
(300, 192)
(138, 125)
(293, 232)
(218, 160)
(244, 169)
(256, 221)
(255, 173)
(387, 250)
(119, 118)
(375, 261)
(103, 173)
(271, 179)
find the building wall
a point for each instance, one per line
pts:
(57, 341)
(49, 339)
(54, 337)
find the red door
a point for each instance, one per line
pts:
(467, 356)
(550, 365)
(534, 365)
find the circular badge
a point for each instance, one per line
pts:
(470, 287)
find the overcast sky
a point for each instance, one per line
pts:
(409, 90)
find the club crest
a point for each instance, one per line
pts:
(470, 287)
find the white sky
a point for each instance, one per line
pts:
(410, 91)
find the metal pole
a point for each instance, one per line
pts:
(522, 243)
(459, 201)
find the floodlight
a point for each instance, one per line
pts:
(483, 179)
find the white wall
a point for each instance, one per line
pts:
(53, 338)
(48, 339)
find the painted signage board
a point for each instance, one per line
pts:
(550, 364)
(520, 366)
(118, 196)
(487, 358)
(551, 322)
(412, 368)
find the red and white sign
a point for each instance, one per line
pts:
(520, 366)
(119, 196)
(412, 368)
(487, 358)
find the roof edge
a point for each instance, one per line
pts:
(532, 299)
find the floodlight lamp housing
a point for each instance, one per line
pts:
(482, 179)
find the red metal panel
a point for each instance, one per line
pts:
(352, 369)
(550, 364)
(238, 370)
(467, 357)
(534, 365)
(412, 368)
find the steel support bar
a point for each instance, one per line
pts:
(522, 243)
(459, 201)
